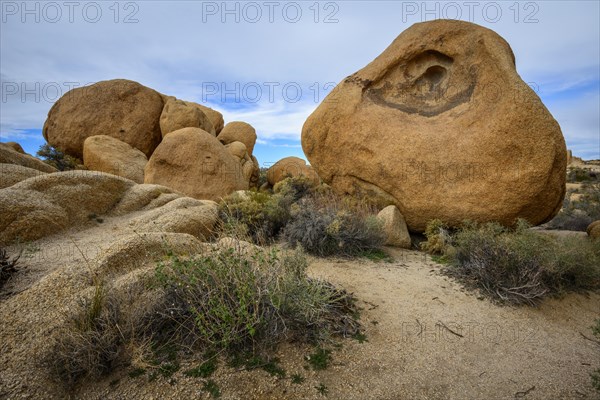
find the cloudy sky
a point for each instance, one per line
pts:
(271, 62)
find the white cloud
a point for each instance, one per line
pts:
(172, 50)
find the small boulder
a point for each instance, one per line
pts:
(107, 154)
(237, 149)
(195, 163)
(394, 227)
(178, 114)
(238, 131)
(291, 167)
(119, 108)
(593, 230)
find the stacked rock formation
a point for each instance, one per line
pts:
(124, 128)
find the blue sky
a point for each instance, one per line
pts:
(271, 63)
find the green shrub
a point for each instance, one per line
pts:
(91, 344)
(262, 176)
(261, 216)
(8, 266)
(228, 300)
(438, 237)
(521, 266)
(576, 174)
(57, 158)
(326, 226)
(576, 215)
(295, 187)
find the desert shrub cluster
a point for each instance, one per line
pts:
(57, 158)
(320, 222)
(227, 301)
(517, 265)
(576, 174)
(256, 215)
(576, 215)
(325, 226)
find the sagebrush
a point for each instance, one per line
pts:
(226, 301)
(577, 215)
(329, 225)
(260, 216)
(520, 266)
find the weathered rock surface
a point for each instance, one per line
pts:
(178, 114)
(215, 117)
(9, 155)
(12, 173)
(442, 126)
(134, 251)
(43, 205)
(238, 131)
(50, 203)
(16, 147)
(195, 163)
(182, 215)
(290, 167)
(593, 230)
(119, 108)
(394, 227)
(237, 149)
(107, 154)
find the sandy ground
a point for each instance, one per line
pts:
(426, 339)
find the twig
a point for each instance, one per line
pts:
(438, 299)
(420, 327)
(590, 339)
(448, 329)
(519, 395)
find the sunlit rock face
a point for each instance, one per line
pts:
(442, 126)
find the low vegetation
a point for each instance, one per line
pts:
(577, 214)
(261, 216)
(596, 374)
(226, 302)
(8, 266)
(576, 175)
(57, 158)
(327, 226)
(516, 266)
(323, 224)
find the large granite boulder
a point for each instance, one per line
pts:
(195, 163)
(119, 108)
(442, 126)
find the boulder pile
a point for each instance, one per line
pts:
(124, 128)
